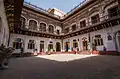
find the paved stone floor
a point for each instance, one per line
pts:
(63, 67)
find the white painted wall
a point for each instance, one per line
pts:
(110, 45)
(37, 41)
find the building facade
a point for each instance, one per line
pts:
(96, 23)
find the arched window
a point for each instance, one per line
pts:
(33, 25)
(42, 27)
(74, 27)
(22, 22)
(51, 29)
(0, 24)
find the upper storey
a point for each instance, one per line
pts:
(91, 13)
(95, 13)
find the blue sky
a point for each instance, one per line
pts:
(64, 5)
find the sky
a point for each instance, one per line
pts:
(64, 5)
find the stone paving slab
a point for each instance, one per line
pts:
(81, 67)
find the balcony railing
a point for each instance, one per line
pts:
(101, 20)
(26, 28)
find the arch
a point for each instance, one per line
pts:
(0, 24)
(23, 22)
(84, 43)
(94, 9)
(42, 27)
(75, 43)
(51, 28)
(108, 6)
(58, 46)
(24, 17)
(33, 24)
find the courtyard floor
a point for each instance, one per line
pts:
(63, 66)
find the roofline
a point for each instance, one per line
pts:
(78, 9)
(53, 16)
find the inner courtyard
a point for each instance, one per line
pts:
(63, 66)
(37, 43)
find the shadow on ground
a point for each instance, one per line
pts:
(96, 67)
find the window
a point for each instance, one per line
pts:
(33, 25)
(82, 24)
(112, 12)
(98, 40)
(22, 22)
(18, 43)
(42, 27)
(74, 27)
(31, 44)
(0, 24)
(67, 30)
(95, 19)
(51, 29)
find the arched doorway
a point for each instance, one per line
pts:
(67, 46)
(58, 47)
(75, 44)
(85, 43)
(50, 46)
(41, 46)
(22, 22)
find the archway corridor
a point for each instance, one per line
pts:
(82, 67)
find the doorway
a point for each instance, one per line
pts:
(50, 47)
(58, 47)
(85, 45)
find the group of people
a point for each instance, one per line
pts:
(5, 54)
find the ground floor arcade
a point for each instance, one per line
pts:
(107, 39)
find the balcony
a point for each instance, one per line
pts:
(110, 17)
(26, 28)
